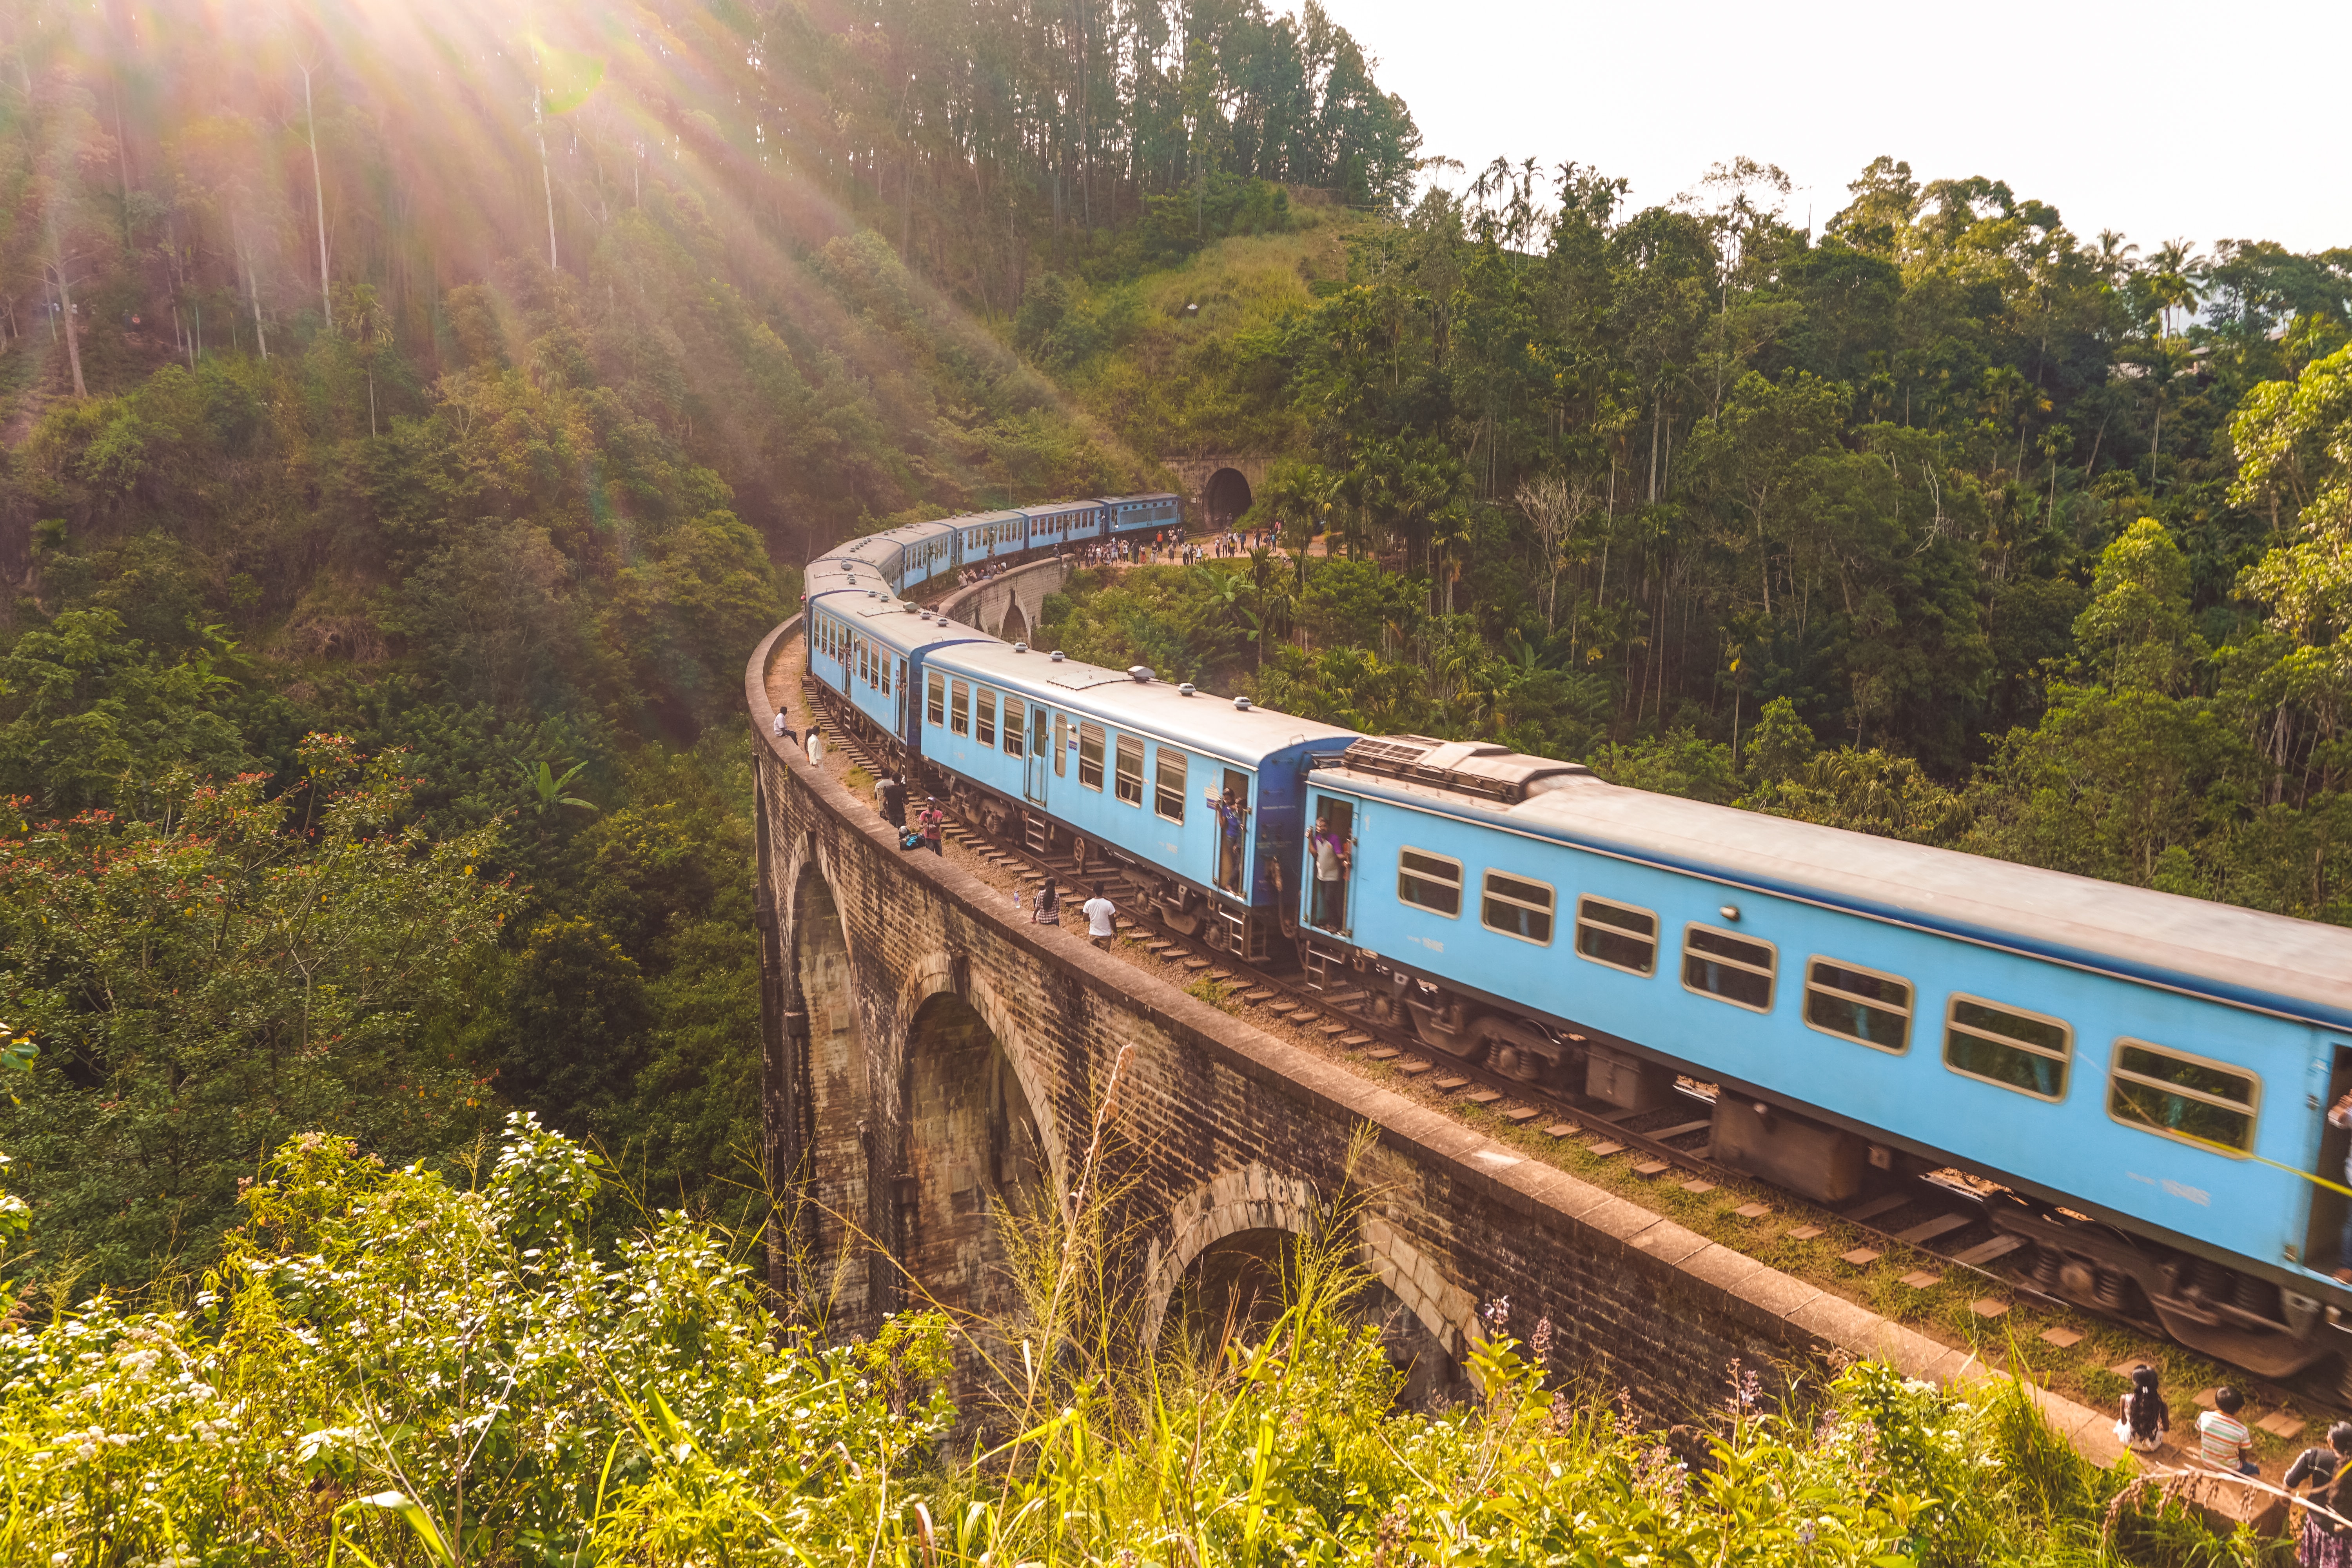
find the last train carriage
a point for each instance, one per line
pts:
(2144, 1076)
(2156, 1068)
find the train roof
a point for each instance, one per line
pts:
(1210, 725)
(1057, 507)
(1128, 500)
(902, 625)
(835, 574)
(2274, 962)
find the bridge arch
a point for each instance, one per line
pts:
(943, 973)
(1225, 1254)
(838, 1273)
(971, 1144)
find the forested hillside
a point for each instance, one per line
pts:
(1942, 522)
(413, 414)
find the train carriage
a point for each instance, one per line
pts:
(1131, 769)
(1059, 523)
(991, 536)
(1127, 515)
(872, 650)
(2156, 1062)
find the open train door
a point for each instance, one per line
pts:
(2323, 1242)
(1033, 770)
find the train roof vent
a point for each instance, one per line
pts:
(1473, 767)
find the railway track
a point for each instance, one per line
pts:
(1945, 1217)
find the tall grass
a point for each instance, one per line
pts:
(390, 1367)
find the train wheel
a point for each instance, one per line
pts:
(1517, 1050)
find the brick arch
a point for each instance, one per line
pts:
(1257, 1197)
(935, 974)
(840, 1179)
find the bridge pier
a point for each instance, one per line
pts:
(955, 1059)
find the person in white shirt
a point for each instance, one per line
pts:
(1100, 913)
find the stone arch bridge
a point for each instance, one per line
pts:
(929, 1055)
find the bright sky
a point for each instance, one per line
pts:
(2160, 119)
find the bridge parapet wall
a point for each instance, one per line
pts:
(1222, 1130)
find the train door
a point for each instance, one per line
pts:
(1033, 766)
(1330, 864)
(2323, 1243)
(1232, 837)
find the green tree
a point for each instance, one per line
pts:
(209, 980)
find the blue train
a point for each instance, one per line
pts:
(2143, 1079)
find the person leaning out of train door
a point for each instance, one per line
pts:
(2221, 1435)
(2326, 1543)
(2340, 1115)
(1331, 853)
(1233, 820)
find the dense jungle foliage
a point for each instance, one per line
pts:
(414, 416)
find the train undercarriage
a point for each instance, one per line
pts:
(2263, 1325)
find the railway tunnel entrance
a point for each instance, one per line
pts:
(1225, 497)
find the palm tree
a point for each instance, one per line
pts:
(2114, 258)
(1449, 534)
(2172, 279)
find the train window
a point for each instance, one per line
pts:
(2184, 1096)
(1429, 881)
(959, 709)
(1997, 1043)
(1735, 968)
(984, 706)
(1090, 755)
(1858, 1004)
(1130, 770)
(1516, 906)
(888, 665)
(934, 699)
(1618, 935)
(1061, 744)
(1015, 715)
(1168, 799)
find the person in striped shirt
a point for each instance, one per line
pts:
(2222, 1438)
